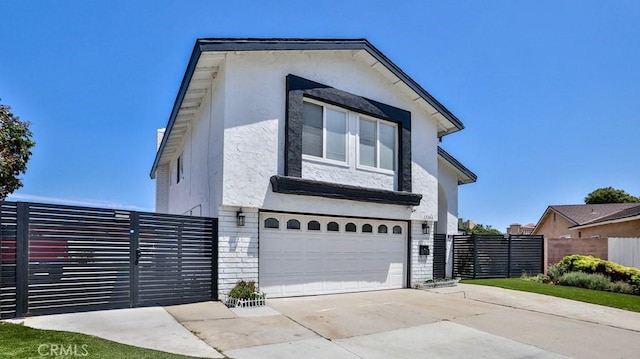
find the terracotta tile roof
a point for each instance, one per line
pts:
(589, 213)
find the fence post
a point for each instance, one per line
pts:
(544, 270)
(134, 228)
(22, 259)
(214, 259)
(475, 254)
(509, 257)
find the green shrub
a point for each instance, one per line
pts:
(555, 271)
(623, 287)
(246, 290)
(540, 278)
(590, 264)
(595, 281)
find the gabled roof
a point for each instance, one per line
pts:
(361, 48)
(627, 214)
(464, 174)
(583, 215)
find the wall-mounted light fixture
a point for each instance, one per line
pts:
(240, 218)
(425, 228)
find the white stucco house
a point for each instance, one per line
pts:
(325, 150)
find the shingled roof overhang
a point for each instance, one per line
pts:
(464, 174)
(448, 122)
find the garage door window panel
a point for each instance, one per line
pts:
(313, 226)
(350, 227)
(333, 227)
(271, 223)
(293, 224)
(367, 228)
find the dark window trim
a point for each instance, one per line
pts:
(306, 187)
(298, 88)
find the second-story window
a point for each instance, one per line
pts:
(324, 132)
(377, 144)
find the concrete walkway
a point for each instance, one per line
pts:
(458, 322)
(151, 328)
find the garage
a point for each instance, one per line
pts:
(310, 255)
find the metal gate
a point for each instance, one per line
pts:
(58, 259)
(494, 256)
(439, 256)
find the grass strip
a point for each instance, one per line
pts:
(609, 299)
(19, 341)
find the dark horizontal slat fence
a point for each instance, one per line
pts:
(527, 255)
(494, 256)
(8, 235)
(439, 256)
(78, 259)
(57, 259)
(175, 263)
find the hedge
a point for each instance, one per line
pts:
(590, 264)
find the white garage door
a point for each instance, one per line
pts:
(307, 255)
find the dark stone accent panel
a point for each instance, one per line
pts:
(298, 88)
(306, 187)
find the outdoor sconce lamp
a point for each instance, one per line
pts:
(425, 228)
(240, 218)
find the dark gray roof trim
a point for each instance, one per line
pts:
(459, 166)
(273, 44)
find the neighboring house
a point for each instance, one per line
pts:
(319, 158)
(465, 224)
(519, 229)
(590, 221)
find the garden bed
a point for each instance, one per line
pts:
(245, 303)
(439, 283)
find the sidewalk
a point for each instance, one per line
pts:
(150, 327)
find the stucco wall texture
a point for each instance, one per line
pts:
(236, 143)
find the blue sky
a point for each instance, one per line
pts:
(549, 91)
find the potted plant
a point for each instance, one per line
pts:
(246, 294)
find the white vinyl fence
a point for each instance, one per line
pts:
(625, 251)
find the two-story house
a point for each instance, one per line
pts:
(320, 159)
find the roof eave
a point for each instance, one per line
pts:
(193, 61)
(466, 174)
(602, 223)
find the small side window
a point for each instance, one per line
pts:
(397, 230)
(293, 224)
(271, 223)
(350, 227)
(313, 226)
(382, 229)
(333, 227)
(180, 169)
(366, 228)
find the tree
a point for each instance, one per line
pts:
(609, 195)
(482, 229)
(15, 150)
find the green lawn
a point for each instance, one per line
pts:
(609, 299)
(18, 341)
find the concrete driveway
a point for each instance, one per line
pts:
(460, 322)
